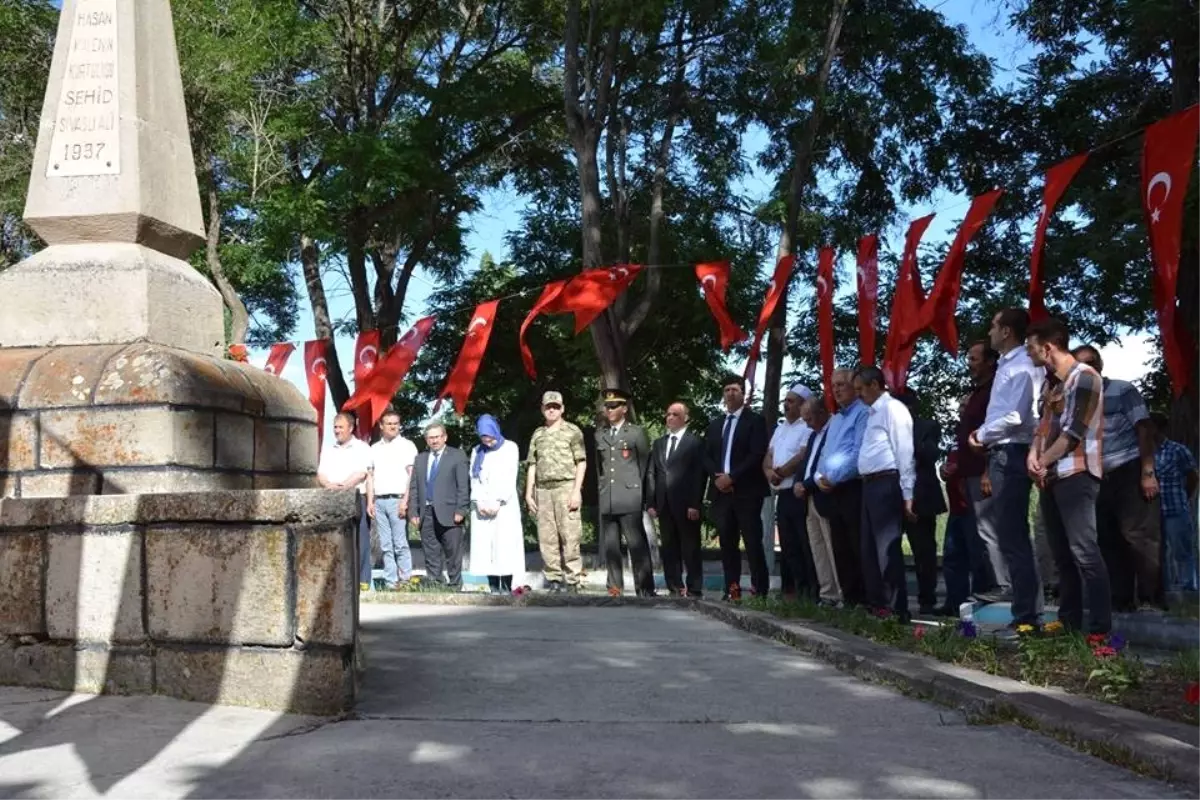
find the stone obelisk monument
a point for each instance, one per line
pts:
(111, 371)
(156, 535)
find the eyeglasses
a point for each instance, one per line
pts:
(554, 406)
(611, 406)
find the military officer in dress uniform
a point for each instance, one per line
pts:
(622, 455)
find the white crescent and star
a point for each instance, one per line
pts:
(318, 367)
(1159, 178)
(617, 273)
(822, 286)
(269, 368)
(368, 356)
(710, 281)
(478, 322)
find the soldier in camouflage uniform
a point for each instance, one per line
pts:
(622, 455)
(557, 463)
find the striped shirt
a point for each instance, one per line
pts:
(1123, 410)
(1081, 420)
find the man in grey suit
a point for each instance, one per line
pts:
(439, 496)
(622, 453)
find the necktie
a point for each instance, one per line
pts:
(433, 469)
(725, 436)
(816, 458)
(671, 447)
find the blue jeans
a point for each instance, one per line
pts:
(365, 562)
(393, 540)
(1179, 567)
(1003, 521)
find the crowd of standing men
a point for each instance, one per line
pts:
(847, 488)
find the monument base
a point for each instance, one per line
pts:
(242, 598)
(81, 294)
(139, 418)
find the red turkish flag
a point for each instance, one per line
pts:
(868, 297)
(314, 370)
(377, 389)
(366, 356)
(593, 290)
(714, 282)
(783, 270)
(906, 308)
(1058, 178)
(1167, 155)
(825, 320)
(938, 311)
(547, 303)
(461, 379)
(278, 356)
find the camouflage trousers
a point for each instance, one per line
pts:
(559, 531)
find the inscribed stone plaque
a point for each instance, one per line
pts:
(87, 137)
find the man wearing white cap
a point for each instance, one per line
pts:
(785, 456)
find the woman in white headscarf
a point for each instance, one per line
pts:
(497, 537)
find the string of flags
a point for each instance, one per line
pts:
(1168, 154)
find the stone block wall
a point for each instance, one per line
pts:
(237, 597)
(142, 418)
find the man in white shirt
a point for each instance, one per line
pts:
(785, 455)
(889, 473)
(392, 460)
(345, 464)
(1006, 434)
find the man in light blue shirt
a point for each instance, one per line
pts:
(837, 476)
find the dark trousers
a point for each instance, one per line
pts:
(1004, 527)
(922, 539)
(442, 545)
(629, 526)
(1130, 537)
(365, 561)
(1069, 514)
(845, 521)
(680, 549)
(740, 519)
(798, 572)
(965, 566)
(882, 555)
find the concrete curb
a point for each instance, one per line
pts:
(534, 599)
(1164, 749)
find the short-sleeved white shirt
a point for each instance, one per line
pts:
(390, 462)
(340, 461)
(788, 440)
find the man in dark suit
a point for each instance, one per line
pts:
(674, 496)
(734, 447)
(439, 496)
(622, 454)
(928, 502)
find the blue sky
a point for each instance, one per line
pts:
(500, 212)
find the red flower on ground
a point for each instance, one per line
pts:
(1095, 638)
(1192, 695)
(919, 632)
(1104, 652)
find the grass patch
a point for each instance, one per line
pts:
(1105, 669)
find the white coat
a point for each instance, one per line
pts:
(497, 543)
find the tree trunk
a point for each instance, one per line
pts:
(310, 261)
(239, 317)
(801, 172)
(356, 263)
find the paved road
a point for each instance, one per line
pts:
(549, 702)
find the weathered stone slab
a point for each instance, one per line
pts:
(218, 585)
(66, 376)
(60, 483)
(325, 585)
(152, 374)
(235, 441)
(94, 587)
(270, 446)
(276, 481)
(21, 583)
(98, 437)
(166, 480)
(301, 682)
(303, 451)
(15, 364)
(47, 664)
(18, 442)
(119, 670)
